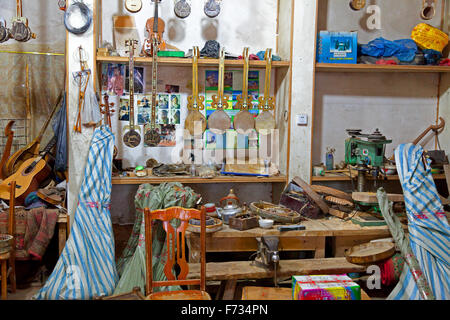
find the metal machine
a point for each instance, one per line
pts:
(267, 255)
(366, 151)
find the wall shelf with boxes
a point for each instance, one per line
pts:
(401, 100)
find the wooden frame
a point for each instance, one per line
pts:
(174, 242)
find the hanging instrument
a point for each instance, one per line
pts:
(133, 6)
(107, 110)
(32, 149)
(219, 121)
(212, 8)
(31, 173)
(20, 30)
(155, 27)
(244, 121)
(265, 122)
(132, 138)
(7, 150)
(357, 4)
(182, 9)
(428, 9)
(82, 77)
(195, 102)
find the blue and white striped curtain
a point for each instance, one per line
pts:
(429, 231)
(86, 267)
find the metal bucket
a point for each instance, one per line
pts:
(5, 243)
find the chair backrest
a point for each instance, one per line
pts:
(176, 245)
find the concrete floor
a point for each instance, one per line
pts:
(24, 294)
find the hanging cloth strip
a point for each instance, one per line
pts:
(429, 231)
(86, 267)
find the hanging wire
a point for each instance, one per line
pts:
(78, 7)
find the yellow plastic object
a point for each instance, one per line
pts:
(429, 37)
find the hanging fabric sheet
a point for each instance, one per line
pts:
(131, 265)
(429, 231)
(86, 267)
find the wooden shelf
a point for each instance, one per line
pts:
(187, 62)
(335, 67)
(347, 178)
(194, 180)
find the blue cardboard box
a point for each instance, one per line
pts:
(337, 47)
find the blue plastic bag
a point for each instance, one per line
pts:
(404, 49)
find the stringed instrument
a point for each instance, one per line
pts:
(107, 110)
(7, 150)
(244, 121)
(152, 134)
(155, 27)
(219, 121)
(32, 149)
(29, 176)
(265, 122)
(195, 102)
(132, 138)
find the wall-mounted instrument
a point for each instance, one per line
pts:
(32, 149)
(219, 121)
(7, 150)
(212, 8)
(155, 27)
(265, 122)
(152, 135)
(5, 32)
(62, 4)
(357, 4)
(20, 30)
(30, 174)
(107, 110)
(132, 138)
(82, 78)
(182, 9)
(244, 121)
(428, 9)
(195, 102)
(133, 6)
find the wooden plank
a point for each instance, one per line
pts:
(347, 178)
(341, 244)
(230, 289)
(287, 268)
(267, 293)
(187, 62)
(371, 197)
(194, 180)
(335, 67)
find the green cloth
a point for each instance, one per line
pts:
(131, 265)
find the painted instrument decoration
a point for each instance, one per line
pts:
(82, 78)
(20, 30)
(30, 150)
(132, 138)
(155, 27)
(244, 121)
(182, 9)
(265, 122)
(195, 102)
(212, 8)
(219, 121)
(357, 4)
(428, 9)
(30, 174)
(133, 6)
(7, 150)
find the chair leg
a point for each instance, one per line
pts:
(12, 276)
(4, 280)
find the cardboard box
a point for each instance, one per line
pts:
(333, 287)
(337, 47)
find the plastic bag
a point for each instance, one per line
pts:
(404, 49)
(90, 114)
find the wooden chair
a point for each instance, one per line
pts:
(178, 242)
(10, 256)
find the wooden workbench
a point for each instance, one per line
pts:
(343, 234)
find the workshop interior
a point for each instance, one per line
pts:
(224, 150)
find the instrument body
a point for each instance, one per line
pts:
(30, 174)
(357, 4)
(212, 8)
(195, 102)
(133, 6)
(7, 150)
(219, 121)
(244, 121)
(182, 9)
(132, 138)
(155, 27)
(265, 122)
(32, 149)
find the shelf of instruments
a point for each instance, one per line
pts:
(196, 180)
(187, 62)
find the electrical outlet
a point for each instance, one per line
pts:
(302, 119)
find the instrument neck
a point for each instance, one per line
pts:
(155, 21)
(268, 73)
(195, 75)
(154, 81)
(245, 79)
(221, 77)
(131, 85)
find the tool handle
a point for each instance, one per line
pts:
(291, 228)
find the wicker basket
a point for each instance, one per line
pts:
(5, 243)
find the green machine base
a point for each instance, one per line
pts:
(368, 220)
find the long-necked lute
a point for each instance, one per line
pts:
(244, 121)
